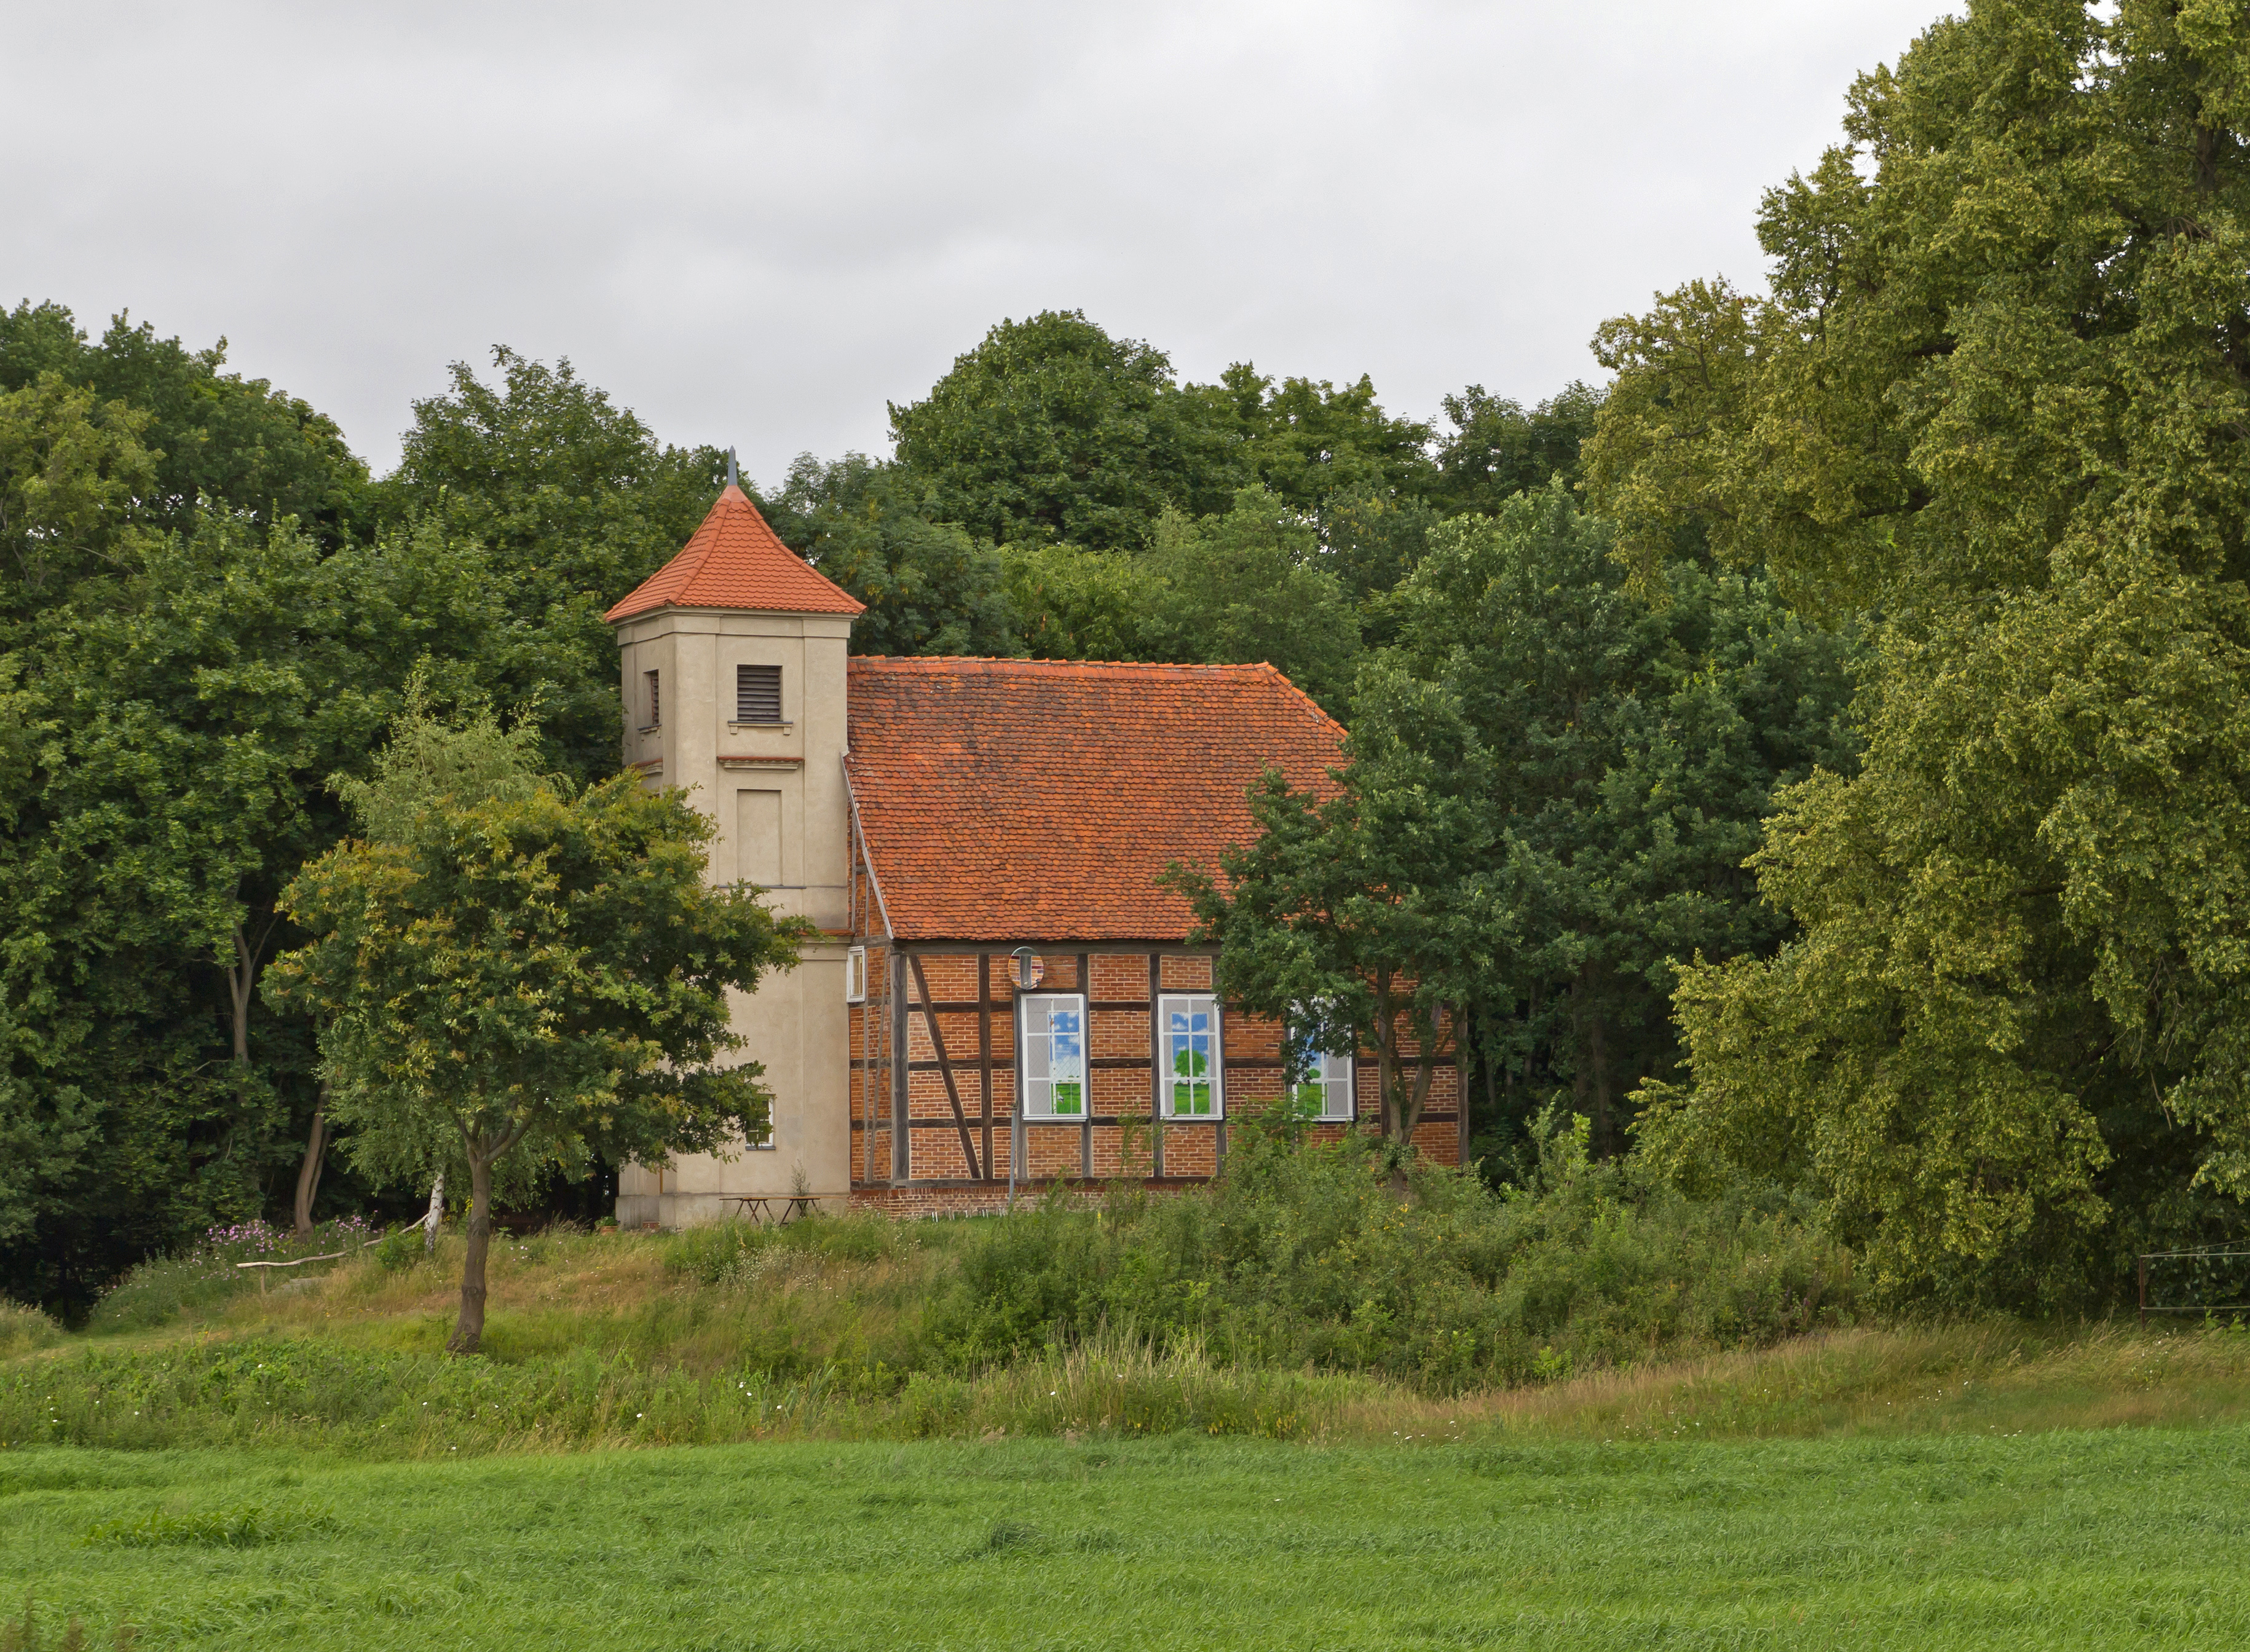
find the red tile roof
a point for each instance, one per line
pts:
(1037, 800)
(735, 561)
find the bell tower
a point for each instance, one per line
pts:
(732, 660)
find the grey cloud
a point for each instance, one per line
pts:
(757, 222)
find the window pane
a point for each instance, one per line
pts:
(1190, 1057)
(1053, 1056)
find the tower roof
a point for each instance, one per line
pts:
(736, 560)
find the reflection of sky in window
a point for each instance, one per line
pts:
(1064, 1025)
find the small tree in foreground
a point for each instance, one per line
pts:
(529, 980)
(1366, 919)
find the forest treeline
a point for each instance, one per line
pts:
(1816, 756)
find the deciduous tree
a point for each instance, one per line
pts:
(929, 587)
(1997, 395)
(528, 981)
(1365, 915)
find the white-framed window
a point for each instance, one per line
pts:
(855, 976)
(1053, 1037)
(655, 699)
(1318, 1084)
(1188, 1055)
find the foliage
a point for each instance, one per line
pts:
(929, 588)
(1070, 603)
(1050, 432)
(529, 982)
(1306, 442)
(1248, 586)
(1497, 448)
(209, 435)
(1050, 429)
(1239, 587)
(1632, 749)
(175, 724)
(1995, 395)
(1365, 909)
(1304, 1255)
(1371, 540)
(575, 502)
(71, 470)
(429, 759)
(206, 1274)
(24, 1329)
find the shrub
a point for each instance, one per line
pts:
(725, 1252)
(401, 1249)
(1302, 1255)
(24, 1329)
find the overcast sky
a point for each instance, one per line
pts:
(757, 222)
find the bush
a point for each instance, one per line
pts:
(24, 1329)
(725, 1252)
(1304, 1255)
(400, 1251)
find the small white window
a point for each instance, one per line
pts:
(855, 976)
(1054, 1055)
(1188, 1055)
(1320, 1084)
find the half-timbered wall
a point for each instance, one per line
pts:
(935, 1057)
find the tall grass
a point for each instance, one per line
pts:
(1303, 1257)
(24, 1329)
(1299, 1291)
(208, 1273)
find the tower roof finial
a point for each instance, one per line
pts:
(733, 480)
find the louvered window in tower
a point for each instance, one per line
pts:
(757, 693)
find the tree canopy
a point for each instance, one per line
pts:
(525, 979)
(1997, 399)
(209, 611)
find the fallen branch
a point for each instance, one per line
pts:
(329, 1256)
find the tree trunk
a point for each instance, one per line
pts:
(1385, 1031)
(309, 1174)
(470, 1330)
(437, 1214)
(242, 986)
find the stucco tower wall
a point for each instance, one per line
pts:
(775, 794)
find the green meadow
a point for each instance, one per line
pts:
(858, 1434)
(2121, 1537)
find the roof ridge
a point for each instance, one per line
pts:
(924, 661)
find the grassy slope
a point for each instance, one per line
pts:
(1933, 1487)
(680, 1353)
(2123, 1537)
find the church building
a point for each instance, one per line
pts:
(1001, 995)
